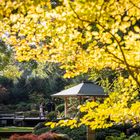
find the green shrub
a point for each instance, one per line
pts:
(41, 130)
(122, 127)
(115, 130)
(123, 137)
(76, 133)
(39, 126)
(103, 133)
(14, 107)
(100, 135)
(31, 114)
(22, 107)
(60, 108)
(4, 108)
(52, 115)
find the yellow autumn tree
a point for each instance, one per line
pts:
(81, 35)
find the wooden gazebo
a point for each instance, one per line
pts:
(80, 91)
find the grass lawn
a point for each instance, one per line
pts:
(16, 129)
(6, 131)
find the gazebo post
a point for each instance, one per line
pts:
(80, 100)
(66, 106)
(90, 134)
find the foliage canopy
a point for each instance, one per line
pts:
(81, 35)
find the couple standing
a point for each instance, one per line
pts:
(50, 106)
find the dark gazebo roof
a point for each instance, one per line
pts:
(82, 89)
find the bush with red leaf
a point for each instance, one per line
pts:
(53, 136)
(44, 136)
(24, 137)
(48, 136)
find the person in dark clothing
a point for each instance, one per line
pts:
(50, 106)
(53, 106)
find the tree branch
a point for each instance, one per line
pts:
(120, 47)
(123, 55)
(134, 4)
(122, 62)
